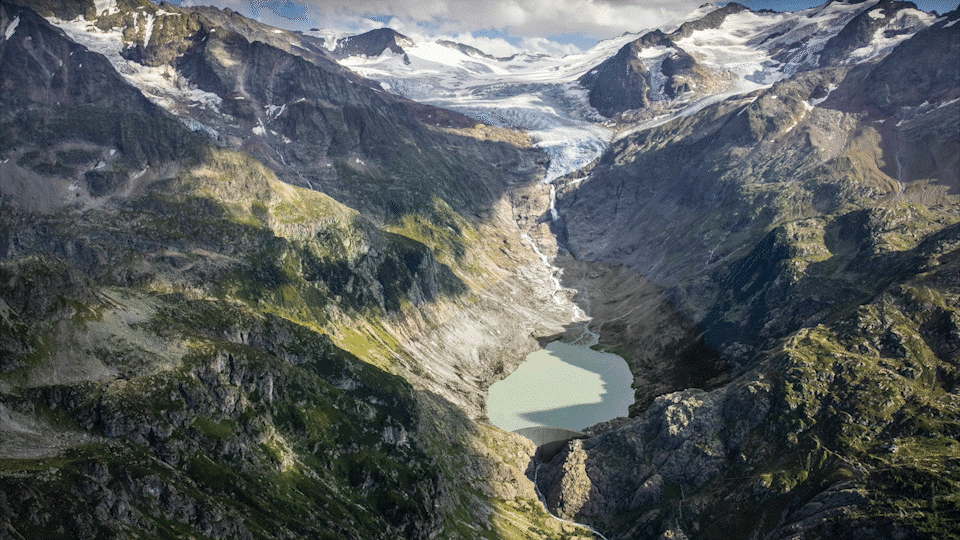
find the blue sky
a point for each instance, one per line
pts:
(497, 26)
(940, 6)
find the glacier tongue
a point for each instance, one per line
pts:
(571, 148)
(511, 93)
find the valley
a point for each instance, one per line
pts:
(257, 283)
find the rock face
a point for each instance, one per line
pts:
(890, 17)
(622, 83)
(660, 73)
(897, 84)
(466, 49)
(619, 83)
(373, 43)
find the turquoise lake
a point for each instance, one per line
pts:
(562, 385)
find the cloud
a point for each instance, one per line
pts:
(495, 45)
(498, 27)
(529, 18)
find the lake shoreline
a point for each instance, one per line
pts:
(562, 385)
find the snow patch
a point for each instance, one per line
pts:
(814, 102)
(902, 27)
(659, 51)
(909, 114)
(274, 111)
(101, 6)
(197, 126)
(12, 27)
(161, 85)
(148, 29)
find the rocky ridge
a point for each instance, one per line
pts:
(820, 272)
(373, 43)
(734, 49)
(193, 346)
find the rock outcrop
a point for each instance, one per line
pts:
(373, 44)
(622, 82)
(191, 346)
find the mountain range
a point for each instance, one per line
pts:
(255, 283)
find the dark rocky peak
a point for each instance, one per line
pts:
(156, 35)
(306, 46)
(619, 83)
(862, 30)
(62, 9)
(468, 50)
(923, 68)
(712, 20)
(655, 38)
(240, 70)
(152, 34)
(622, 83)
(39, 64)
(69, 115)
(373, 44)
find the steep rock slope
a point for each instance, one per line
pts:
(817, 258)
(193, 347)
(734, 50)
(373, 43)
(622, 83)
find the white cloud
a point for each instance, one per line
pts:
(532, 18)
(524, 23)
(544, 45)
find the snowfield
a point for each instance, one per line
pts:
(530, 92)
(161, 85)
(540, 94)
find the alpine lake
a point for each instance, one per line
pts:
(562, 386)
